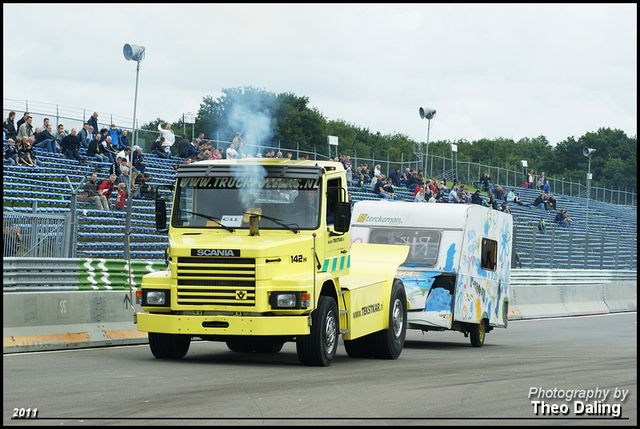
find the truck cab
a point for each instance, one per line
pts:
(258, 255)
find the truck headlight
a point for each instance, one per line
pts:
(287, 300)
(155, 297)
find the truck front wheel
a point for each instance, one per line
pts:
(387, 344)
(169, 346)
(319, 347)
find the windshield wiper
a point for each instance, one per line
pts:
(215, 219)
(276, 221)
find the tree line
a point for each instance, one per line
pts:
(267, 118)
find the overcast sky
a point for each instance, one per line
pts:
(490, 70)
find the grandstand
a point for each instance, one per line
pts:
(611, 241)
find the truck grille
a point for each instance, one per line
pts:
(216, 281)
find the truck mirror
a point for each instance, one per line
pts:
(342, 217)
(161, 215)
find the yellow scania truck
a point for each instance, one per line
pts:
(259, 254)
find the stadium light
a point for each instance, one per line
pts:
(428, 114)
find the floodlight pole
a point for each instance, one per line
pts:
(127, 226)
(588, 194)
(426, 155)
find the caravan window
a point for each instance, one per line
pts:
(423, 243)
(489, 254)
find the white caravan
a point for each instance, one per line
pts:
(456, 275)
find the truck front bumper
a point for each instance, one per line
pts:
(223, 325)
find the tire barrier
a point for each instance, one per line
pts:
(77, 303)
(538, 293)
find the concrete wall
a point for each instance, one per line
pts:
(55, 320)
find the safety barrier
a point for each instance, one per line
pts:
(55, 274)
(64, 304)
(538, 293)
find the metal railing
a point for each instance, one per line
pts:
(435, 166)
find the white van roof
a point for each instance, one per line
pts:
(411, 214)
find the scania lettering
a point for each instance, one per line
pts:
(259, 254)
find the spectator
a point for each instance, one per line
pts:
(183, 146)
(512, 197)
(542, 227)
(562, 219)
(125, 154)
(194, 149)
(20, 122)
(58, 136)
(541, 181)
(552, 202)
(9, 127)
(464, 195)
(347, 164)
(231, 152)
(93, 121)
(137, 180)
(405, 176)
(440, 197)
(419, 194)
(124, 178)
(95, 149)
(505, 207)
(124, 140)
(378, 189)
(11, 241)
(237, 139)
(530, 179)
(11, 152)
(486, 202)
(107, 187)
(158, 148)
(146, 191)
(121, 198)
(476, 198)
(453, 195)
(413, 181)
(388, 188)
(138, 161)
(546, 188)
(45, 140)
(493, 202)
(25, 129)
(116, 167)
(115, 134)
(93, 196)
(200, 138)
(169, 138)
(539, 202)
(85, 136)
(71, 146)
(394, 176)
(500, 192)
(103, 135)
(241, 151)
(108, 150)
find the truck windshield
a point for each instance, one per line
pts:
(228, 202)
(423, 244)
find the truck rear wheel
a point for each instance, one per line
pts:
(387, 344)
(319, 347)
(169, 346)
(478, 333)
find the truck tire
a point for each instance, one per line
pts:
(169, 346)
(319, 347)
(388, 343)
(359, 348)
(478, 333)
